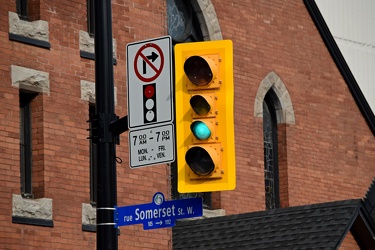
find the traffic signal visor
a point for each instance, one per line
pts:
(204, 116)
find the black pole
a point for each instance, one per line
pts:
(106, 233)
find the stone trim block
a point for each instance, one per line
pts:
(88, 214)
(88, 92)
(36, 30)
(286, 112)
(32, 208)
(87, 44)
(30, 79)
(207, 213)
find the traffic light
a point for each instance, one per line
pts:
(149, 103)
(204, 116)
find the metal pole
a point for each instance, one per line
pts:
(106, 233)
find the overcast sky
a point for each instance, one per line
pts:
(352, 24)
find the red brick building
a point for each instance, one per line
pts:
(303, 133)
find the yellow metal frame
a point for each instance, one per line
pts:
(223, 88)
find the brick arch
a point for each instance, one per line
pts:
(207, 18)
(284, 106)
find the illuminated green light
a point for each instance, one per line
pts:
(200, 130)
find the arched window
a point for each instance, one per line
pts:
(271, 169)
(183, 26)
(274, 105)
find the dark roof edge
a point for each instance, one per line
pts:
(354, 202)
(364, 220)
(369, 199)
(349, 226)
(341, 63)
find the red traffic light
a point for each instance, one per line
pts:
(198, 70)
(149, 91)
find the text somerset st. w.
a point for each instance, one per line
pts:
(157, 213)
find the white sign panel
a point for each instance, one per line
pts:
(149, 82)
(150, 146)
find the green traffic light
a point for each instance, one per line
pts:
(200, 130)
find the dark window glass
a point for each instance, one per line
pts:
(183, 25)
(22, 9)
(25, 143)
(93, 160)
(271, 178)
(90, 18)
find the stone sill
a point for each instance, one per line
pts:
(33, 33)
(89, 228)
(30, 41)
(207, 213)
(32, 221)
(36, 212)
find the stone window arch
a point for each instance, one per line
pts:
(284, 106)
(207, 19)
(206, 16)
(274, 105)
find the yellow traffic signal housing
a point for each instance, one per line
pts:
(204, 94)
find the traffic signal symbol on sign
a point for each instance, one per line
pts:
(204, 116)
(149, 103)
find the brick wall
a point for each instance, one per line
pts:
(61, 150)
(327, 154)
(349, 243)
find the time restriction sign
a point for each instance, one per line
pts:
(149, 82)
(152, 145)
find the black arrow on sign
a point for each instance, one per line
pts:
(152, 58)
